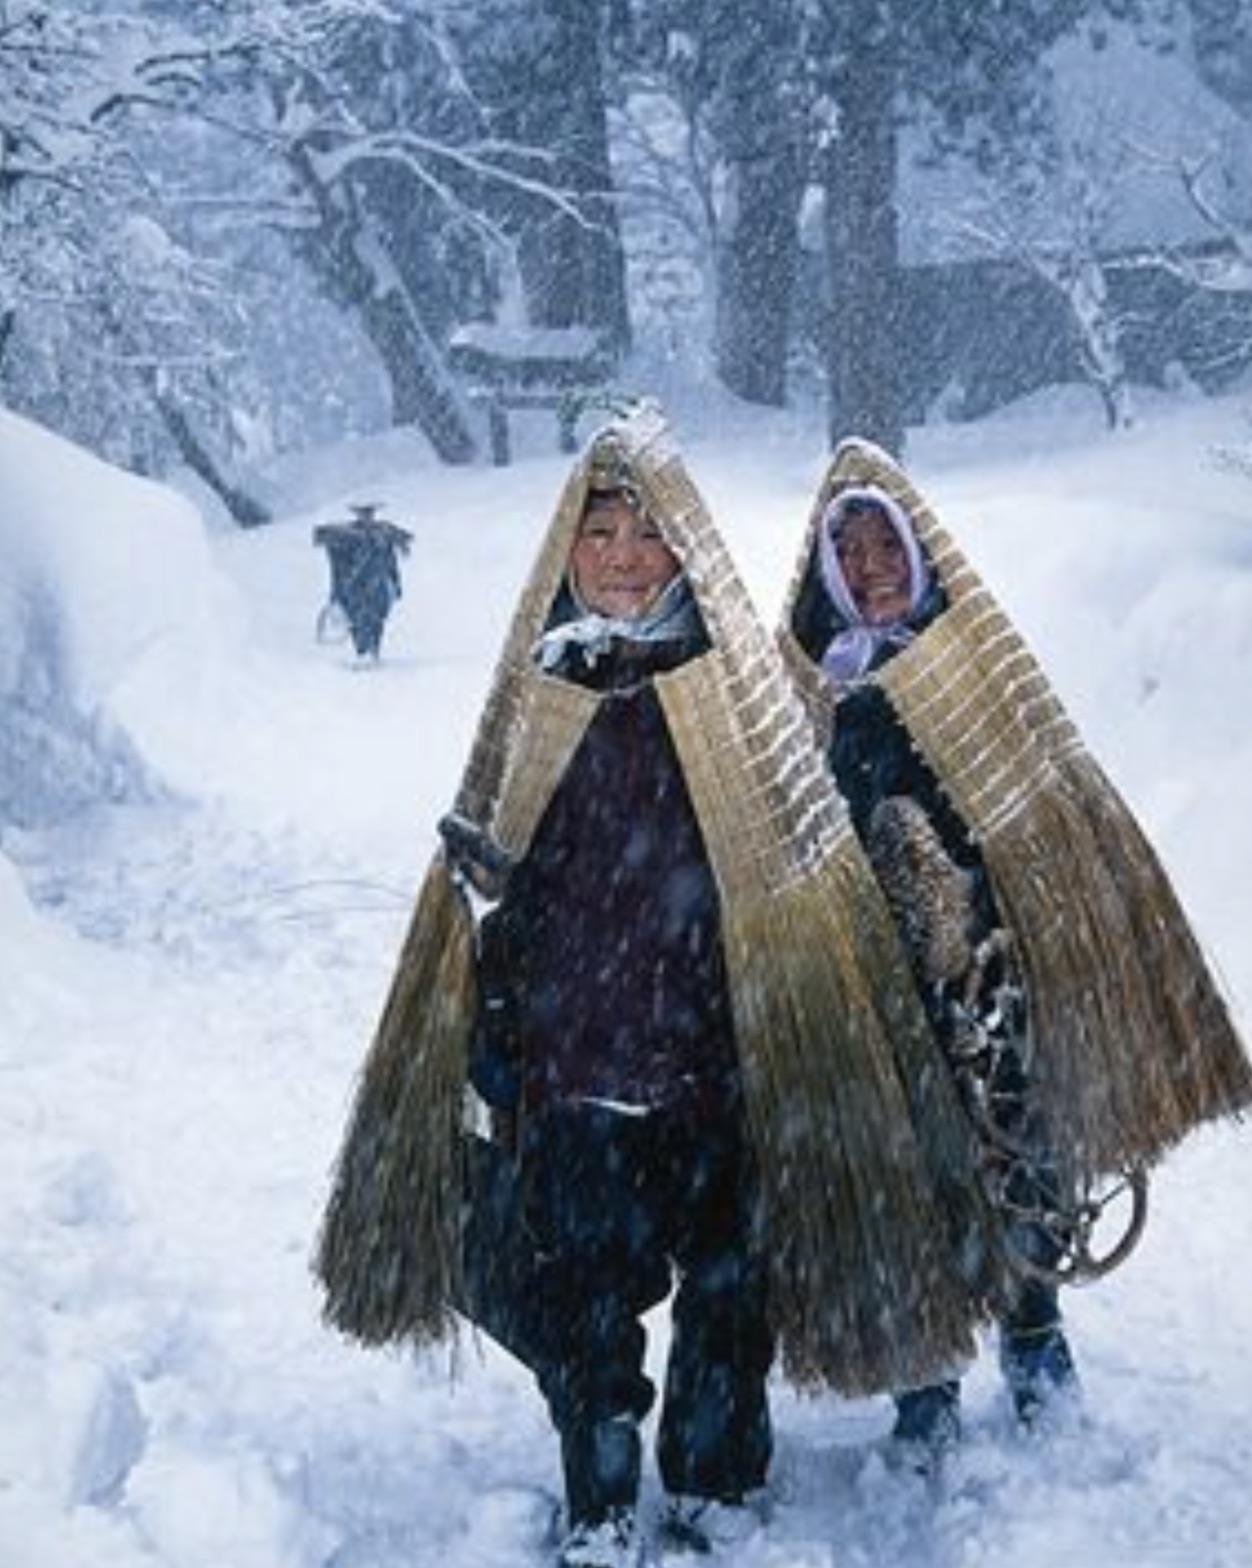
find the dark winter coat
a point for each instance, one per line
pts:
(872, 755)
(601, 968)
(365, 576)
(873, 758)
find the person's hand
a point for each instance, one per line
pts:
(475, 856)
(493, 1072)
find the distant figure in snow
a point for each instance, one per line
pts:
(364, 574)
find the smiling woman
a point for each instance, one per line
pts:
(875, 565)
(1059, 971)
(674, 998)
(620, 561)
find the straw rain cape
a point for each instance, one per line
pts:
(1133, 1046)
(879, 1252)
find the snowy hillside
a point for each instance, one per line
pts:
(191, 970)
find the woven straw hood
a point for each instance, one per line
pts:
(1133, 1046)
(880, 1250)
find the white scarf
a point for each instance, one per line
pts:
(673, 617)
(854, 647)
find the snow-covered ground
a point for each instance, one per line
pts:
(191, 969)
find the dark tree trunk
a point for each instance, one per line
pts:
(423, 393)
(757, 264)
(1221, 34)
(758, 246)
(863, 347)
(572, 264)
(243, 508)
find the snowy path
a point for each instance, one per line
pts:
(162, 1331)
(183, 1110)
(195, 987)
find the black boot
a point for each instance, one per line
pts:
(1035, 1357)
(1038, 1367)
(613, 1543)
(928, 1424)
(601, 1460)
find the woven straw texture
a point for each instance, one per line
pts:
(882, 1254)
(1133, 1045)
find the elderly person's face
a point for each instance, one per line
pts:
(875, 566)
(620, 563)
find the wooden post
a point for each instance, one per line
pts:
(498, 428)
(567, 423)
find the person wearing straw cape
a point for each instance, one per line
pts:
(651, 944)
(365, 582)
(1042, 927)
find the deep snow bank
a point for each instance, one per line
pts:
(101, 655)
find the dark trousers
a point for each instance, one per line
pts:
(1032, 1311)
(366, 606)
(365, 624)
(618, 1209)
(1035, 1306)
(1031, 1186)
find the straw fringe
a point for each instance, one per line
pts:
(1182, 1057)
(389, 1250)
(883, 1250)
(1133, 1043)
(880, 1247)
(1133, 1046)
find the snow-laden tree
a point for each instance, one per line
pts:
(345, 127)
(973, 83)
(800, 95)
(1057, 233)
(1063, 220)
(428, 148)
(200, 202)
(1212, 263)
(109, 330)
(734, 175)
(538, 69)
(666, 168)
(49, 144)
(1216, 179)
(1221, 32)
(362, 114)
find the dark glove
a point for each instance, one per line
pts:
(474, 854)
(494, 1055)
(495, 1075)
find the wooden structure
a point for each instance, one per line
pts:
(508, 368)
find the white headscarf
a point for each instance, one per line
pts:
(852, 649)
(671, 617)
